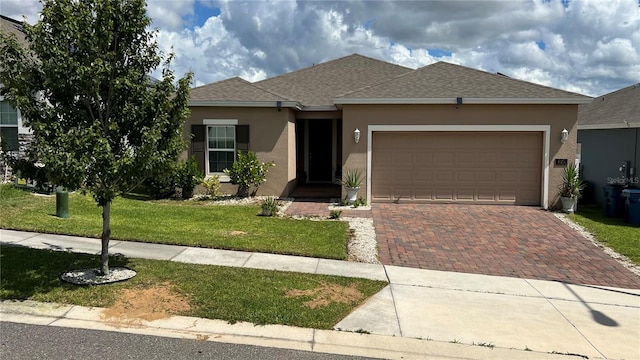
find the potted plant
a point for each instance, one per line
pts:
(351, 182)
(570, 188)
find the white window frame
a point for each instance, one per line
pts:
(17, 125)
(210, 123)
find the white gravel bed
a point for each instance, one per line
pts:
(362, 246)
(625, 261)
(92, 276)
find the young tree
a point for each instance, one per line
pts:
(99, 122)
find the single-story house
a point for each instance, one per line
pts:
(609, 138)
(440, 133)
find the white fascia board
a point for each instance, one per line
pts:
(320, 108)
(477, 101)
(285, 104)
(219, 121)
(609, 126)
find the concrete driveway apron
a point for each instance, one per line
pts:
(514, 241)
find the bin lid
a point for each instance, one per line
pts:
(631, 191)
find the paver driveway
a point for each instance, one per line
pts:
(516, 241)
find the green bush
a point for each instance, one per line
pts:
(248, 172)
(162, 185)
(188, 177)
(270, 206)
(212, 186)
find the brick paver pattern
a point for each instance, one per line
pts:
(515, 241)
(320, 208)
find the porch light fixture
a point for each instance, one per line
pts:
(565, 136)
(356, 135)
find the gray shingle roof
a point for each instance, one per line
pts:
(317, 85)
(11, 26)
(449, 81)
(234, 89)
(620, 108)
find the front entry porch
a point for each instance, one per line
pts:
(319, 158)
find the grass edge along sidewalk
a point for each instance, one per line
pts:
(171, 288)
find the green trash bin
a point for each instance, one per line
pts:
(62, 203)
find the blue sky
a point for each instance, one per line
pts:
(586, 46)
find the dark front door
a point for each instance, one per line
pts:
(320, 148)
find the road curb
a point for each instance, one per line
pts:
(278, 336)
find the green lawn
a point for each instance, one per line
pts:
(191, 223)
(214, 292)
(617, 234)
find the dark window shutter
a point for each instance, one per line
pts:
(242, 138)
(199, 145)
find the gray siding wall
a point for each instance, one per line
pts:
(603, 152)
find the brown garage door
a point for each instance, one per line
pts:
(466, 167)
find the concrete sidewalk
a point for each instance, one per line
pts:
(421, 314)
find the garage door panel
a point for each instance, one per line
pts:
(465, 194)
(466, 177)
(423, 176)
(444, 176)
(444, 194)
(444, 158)
(479, 167)
(486, 158)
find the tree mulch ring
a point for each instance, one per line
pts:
(93, 276)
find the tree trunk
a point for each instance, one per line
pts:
(106, 234)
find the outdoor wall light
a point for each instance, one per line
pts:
(565, 136)
(356, 135)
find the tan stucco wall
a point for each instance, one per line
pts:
(558, 116)
(271, 137)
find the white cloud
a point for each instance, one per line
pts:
(592, 47)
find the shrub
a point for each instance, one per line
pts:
(359, 202)
(270, 206)
(248, 172)
(162, 185)
(188, 176)
(335, 214)
(212, 186)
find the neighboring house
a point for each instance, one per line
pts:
(441, 133)
(13, 134)
(609, 137)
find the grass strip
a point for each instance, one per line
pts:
(616, 233)
(213, 292)
(190, 223)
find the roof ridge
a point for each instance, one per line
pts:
(505, 77)
(354, 55)
(411, 71)
(624, 89)
(220, 82)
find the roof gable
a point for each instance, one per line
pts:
(234, 89)
(443, 82)
(11, 26)
(619, 109)
(317, 85)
